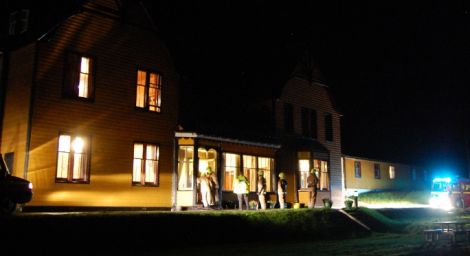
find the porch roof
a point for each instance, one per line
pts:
(224, 139)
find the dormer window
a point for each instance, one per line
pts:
(78, 76)
(19, 21)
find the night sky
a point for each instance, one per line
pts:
(399, 72)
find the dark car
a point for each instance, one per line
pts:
(13, 190)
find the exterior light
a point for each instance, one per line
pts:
(30, 186)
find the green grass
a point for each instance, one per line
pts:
(232, 232)
(397, 197)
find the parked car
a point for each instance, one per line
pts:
(13, 190)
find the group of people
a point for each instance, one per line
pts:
(242, 189)
(209, 188)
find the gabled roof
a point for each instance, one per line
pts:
(44, 20)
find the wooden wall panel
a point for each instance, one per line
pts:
(111, 119)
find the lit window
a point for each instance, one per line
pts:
(185, 167)
(266, 165)
(249, 170)
(391, 171)
(78, 76)
(357, 169)
(149, 91)
(324, 177)
(145, 168)
(73, 159)
(304, 168)
(231, 169)
(377, 171)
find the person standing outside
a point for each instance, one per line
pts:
(241, 188)
(214, 186)
(282, 190)
(204, 184)
(312, 184)
(261, 190)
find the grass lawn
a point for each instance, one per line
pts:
(272, 232)
(395, 197)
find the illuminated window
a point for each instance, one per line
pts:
(149, 91)
(357, 169)
(250, 171)
(304, 168)
(185, 167)
(377, 171)
(78, 77)
(324, 177)
(73, 159)
(266, 165)
(391, 171)
(231, 169)
(145, 168)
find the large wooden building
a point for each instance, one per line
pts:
(365, 174)
(90, 110)
(91, 118)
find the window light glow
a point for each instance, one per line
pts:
(78, 145)
(84, 76)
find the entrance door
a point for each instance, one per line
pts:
(185, 182)
(208, 178)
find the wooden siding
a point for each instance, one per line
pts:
(367, 181)
(301, 93)
(16, 108)
(111, 119)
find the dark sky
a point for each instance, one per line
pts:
(398, 72)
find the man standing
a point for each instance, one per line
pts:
(282, 190)
(214, 185)
(241, 188)
(261, 190)
(312, 184)
(204, 185)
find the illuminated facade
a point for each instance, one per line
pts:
(90, 110)
(308, 125)
(362, 175)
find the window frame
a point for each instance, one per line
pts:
(142, 182)
(392, 172)
(377, 171)
(159, 88)
(289, 126)
(357, 169)
(241, 170)
(328, 121)
(66, 87)
(69, 179)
